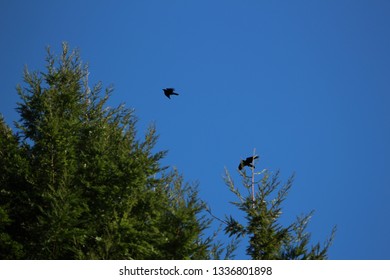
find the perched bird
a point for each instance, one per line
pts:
(247, 162)
(169, 91)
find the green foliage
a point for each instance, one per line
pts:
(10, 164)
(268, 238)
(77, 182)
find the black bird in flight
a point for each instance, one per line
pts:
(169, 91)
(247, 162)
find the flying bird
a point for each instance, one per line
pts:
(169, 91)
(247, 162)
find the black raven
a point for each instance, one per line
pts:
(247, 162)
(169, 91)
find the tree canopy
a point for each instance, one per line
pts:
(77, 181)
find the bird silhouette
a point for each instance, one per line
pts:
(169, 91)
(247, 162)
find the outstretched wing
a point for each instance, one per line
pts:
(250, 159)
(169, 91)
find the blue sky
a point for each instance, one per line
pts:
(306, 83)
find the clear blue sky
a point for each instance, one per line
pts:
(306, 83)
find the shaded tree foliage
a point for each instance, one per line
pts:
(77, 182)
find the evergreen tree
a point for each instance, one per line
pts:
(77, 182)
(262, 208)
